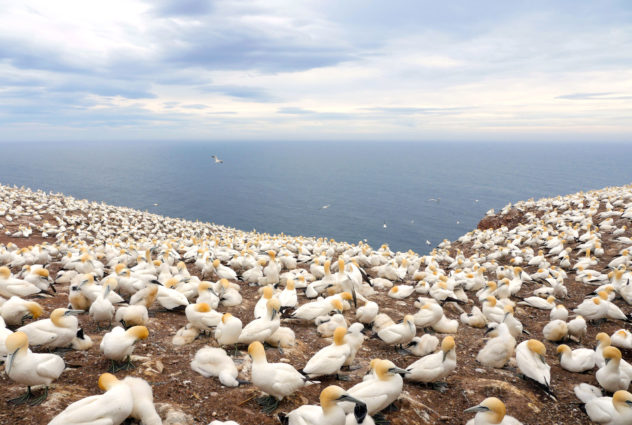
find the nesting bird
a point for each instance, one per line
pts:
(211, 361)
(531, 362)
(328, 360)
(436, 366)
(328, 413)
(491, 411)
(118, 345)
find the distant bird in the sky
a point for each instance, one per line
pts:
(438, 200)
(384, 225)
(458, 222)
(324, 207)
(155, 205)
(475, 200)
(412, 221)
(217, 160)
(428, 242)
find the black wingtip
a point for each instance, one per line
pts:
(455, 300)
(283, 418)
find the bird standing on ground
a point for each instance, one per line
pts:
(27, 368)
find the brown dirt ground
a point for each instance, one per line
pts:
(206, 400)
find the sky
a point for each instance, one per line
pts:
(316, 70)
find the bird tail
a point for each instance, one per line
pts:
(283, 418)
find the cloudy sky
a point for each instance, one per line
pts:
(316, 70)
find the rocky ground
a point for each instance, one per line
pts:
(188, 398)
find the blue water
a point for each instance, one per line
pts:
(281, 187)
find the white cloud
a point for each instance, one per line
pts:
(242, 69)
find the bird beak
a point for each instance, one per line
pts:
(10, 360)
(73, 312)
(83, 283)
(398, 370)
(347, 397)
(607, 360)
(355, 299)
(445, 354)
(476, 409)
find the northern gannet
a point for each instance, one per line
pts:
(537, 302)
(491, 412)
(27, 368)
(278, 380)
(261, 305)
(422, 346)
(112, 407)
(328, 413)
(118, 345)
(578, 361)
(592, 309)
(366, 313)
(211, 361)
(228, 330)
(436, 366)
(15, 310)
(615, 410)
(381, 390)
(399, 333)
(622, 339)
(132, 315)
(498, 350)
(328, 360)
(531, 362)
(262, 328)
(288, 297)
(611, 376)
(10, 286)
(555, 330)
(314, 309)
(201, 316)
(56, 332)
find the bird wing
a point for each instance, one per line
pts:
(601, 410)
(391, 334)
(40, 332)
(287, 380)
(50, 367)
(430, 361)
(306, 415)
(328, 358)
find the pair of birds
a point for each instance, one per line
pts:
(129, 397)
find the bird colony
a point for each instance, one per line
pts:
(109, 314)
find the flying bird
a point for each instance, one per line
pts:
(324, 207)
(438, 200)
(384, 225)
(217, 160)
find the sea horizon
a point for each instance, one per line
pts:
(423, 192)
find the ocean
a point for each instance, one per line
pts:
(402, 194)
